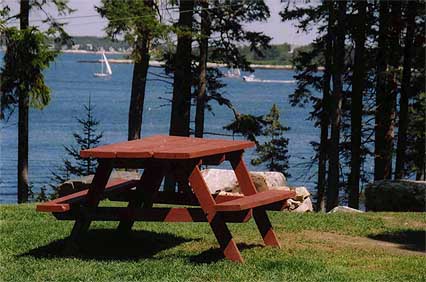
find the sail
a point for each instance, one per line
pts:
(108, 67)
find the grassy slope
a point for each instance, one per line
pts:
(316, 247)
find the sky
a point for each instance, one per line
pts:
(85, 21)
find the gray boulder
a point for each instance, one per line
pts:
(219, 180)
(396, 195)
(224, 182)
(345, 209)
(82, 183)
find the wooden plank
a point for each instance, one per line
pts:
(197, 150)
(265, 227)
(94, 195)
(216, 220)
(62, 204)
(148, 185)
(176, 198)
(166, 147)
(143, 147)
(259, 200)
(226, 198)
(214, 159)
(241, 172)
(149, 214)
(255, 200)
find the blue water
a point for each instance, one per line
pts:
(71, 85)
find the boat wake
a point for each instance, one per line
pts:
(251, 78)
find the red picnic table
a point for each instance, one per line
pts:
(180, 159)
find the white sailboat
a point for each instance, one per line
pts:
(105, 71)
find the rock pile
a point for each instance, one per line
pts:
(225, 182)
(218, 180)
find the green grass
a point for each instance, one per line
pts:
(315, 247)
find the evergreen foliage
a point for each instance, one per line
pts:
(22, 81)
(138, 22)
(76, 166)
(26, 58)
(378, 31)
(228, 21)
(247, 125)
(273, 153)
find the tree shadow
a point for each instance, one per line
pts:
(107, 244)
(213, 255)
(414, 240)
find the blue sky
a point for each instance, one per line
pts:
(92, 24)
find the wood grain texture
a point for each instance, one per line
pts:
(63, 204)
(166, 147)
(255, 200)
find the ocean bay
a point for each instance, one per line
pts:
(72, 83)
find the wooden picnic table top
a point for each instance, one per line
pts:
(166, 147)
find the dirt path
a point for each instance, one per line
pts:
(334, 242)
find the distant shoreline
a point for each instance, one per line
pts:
(158, 63)
(86, 52)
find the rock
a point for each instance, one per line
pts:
(297, 206)
(225, 180)
(301, 202)
(396, 195)
(75, 185)
(64, 189)
(123, 174)
(301, 193)
(82, 183)
(344, 209)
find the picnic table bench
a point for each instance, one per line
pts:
(178, 158)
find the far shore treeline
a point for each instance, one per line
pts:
(275, 54)
(363, 77)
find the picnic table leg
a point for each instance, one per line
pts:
(216, 221)
(149, 184)
(248, 188)
(94, 195)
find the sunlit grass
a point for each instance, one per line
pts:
(315, 247)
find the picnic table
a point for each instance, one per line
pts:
(178, 158)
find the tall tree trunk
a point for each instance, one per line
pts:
(202, 80)
(181, 101)
(140, 73)
(23, 115)
(336, 107)
(390, 101)
(381, 161)
(405, 91)
(421, 160)
(325, 117)
(358, 85)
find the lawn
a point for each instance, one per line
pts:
(315, 247)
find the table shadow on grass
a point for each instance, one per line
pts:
(413, 240)
(107, 244)
(215, 254)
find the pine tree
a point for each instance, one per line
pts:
(138, 22)
(358, 87)
(27, 55)
(76, 166)
(182, 84)
(400, 164)
(273, 153)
